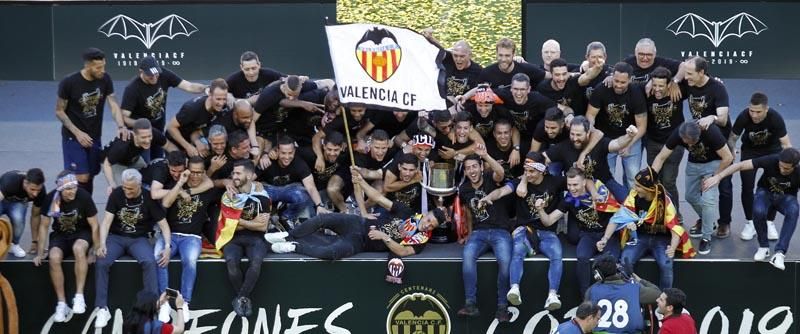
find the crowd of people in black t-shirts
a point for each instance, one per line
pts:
(527, 145)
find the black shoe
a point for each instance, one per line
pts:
(502, 315)
(247, 306)
(705, 246)
(723, 231)
(469, 310)
(697, 230)
(238, 308)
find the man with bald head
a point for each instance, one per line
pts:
(551, 50)
(644, 61)
(240, 118)
(462, 73)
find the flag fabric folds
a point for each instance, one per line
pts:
(670, 221)
(230, 210)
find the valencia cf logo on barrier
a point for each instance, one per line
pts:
(418, 313)
(379, 54)
(395, 269)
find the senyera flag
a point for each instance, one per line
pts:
(386, 67)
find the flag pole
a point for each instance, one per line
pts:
(357, 192)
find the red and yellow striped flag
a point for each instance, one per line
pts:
(229, 213)
(670, 221)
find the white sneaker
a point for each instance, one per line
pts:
(163, 313)
(17, 251)
(514, 296)
(61, 312)
(761, 254)
(185, 312)
(78, 304)
(102, 318)
(283, 247)
(777, 261)
(552, 303)
(276, 237)
(772, 232)
(749, 231)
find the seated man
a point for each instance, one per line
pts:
(16, 190)
(488, 225)
(244, 235)
(130, 215)
(74, 218)
(372, 164)
(123, 154)
(402, 232)
(187, 215)
(330, 170)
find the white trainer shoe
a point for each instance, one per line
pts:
(61, 312)
(552, 303)
(78, 304)
(283, 247)
(163, 313)
(102, 318)
(749, 231)
(514, 296)
(777, 261)
(276, 237)
(17, 251)
(772, 232)
(761, 254)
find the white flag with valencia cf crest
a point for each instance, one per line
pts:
(386, 67)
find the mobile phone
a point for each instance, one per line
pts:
(172, 293)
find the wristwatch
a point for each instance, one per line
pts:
(516, 147)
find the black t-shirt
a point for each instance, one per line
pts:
(240, 88)
(497, 78)
(596, 162)
(550, 190)
(502, 157)
(705, 150)
(252, 208)
(368, 162)
(773, 180)
(189, 217)
(225, 119)
(158, 171)
(337, 124)
(586, 91)
(663, 118)
(642, 75)
(268, 106)
(617, 111)
(569, 96)
(485, 125)
(339, 167)
(133, 217)
(85, 103)
(194, 116)
(400, 224)
(460, 81)
(13, 191)
(122, 152)
(386, 121)
(541, 136)
(150, 101)
(73, 214)
(280, 176)
(587, 218)
(525, 116)
(410, 195)
(489, 216)
(704, 101)
(301, 124)
(763, 137)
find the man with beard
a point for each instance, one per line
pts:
(536, 186)
(763, 132)
(16, 190)
(187, 215)
(613, 110)
(247, 83)
(708, 104)
(595, 67)
(238, 148)
(500, 74)
(252, 199)
(356, 120)
(777, 188)
(401, 182)
(461, 72)
(74, 218)
(565, 89)
(130, 214)
(331, 171)
(121, 155)
(487, 223)
(79, 106)
(594, 163)
(184, 131)
(554, 129)
(146, 97)
(670, 304)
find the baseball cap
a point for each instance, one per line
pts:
(149, 65)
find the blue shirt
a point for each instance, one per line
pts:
(569, 327)
(620, 309)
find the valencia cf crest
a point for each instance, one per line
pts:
(379, 54)
(395, 269)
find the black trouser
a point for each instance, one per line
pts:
(254, 247)
(748, 186)
(725, 201)
(348, 241)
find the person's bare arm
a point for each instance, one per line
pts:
(174, 130)
(785, 142)
(83, 138)
(109, 174)
(392, 183)
(311, 188)
(727, 158)
(591, 114)
(623, 141)
(191, 87)
(369, 191)
(259, 224)
(662, 156)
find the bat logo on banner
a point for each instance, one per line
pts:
(148, 33)
(379, 54)
(696, 26)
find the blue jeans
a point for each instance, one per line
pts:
(16, 212)
(631, 164)
(295, 196)
(479, 242)
(189, 248)
(786, 205)
(703, 202)
(550, 247)
(587, 248)
(657, 245)
(116, 246)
